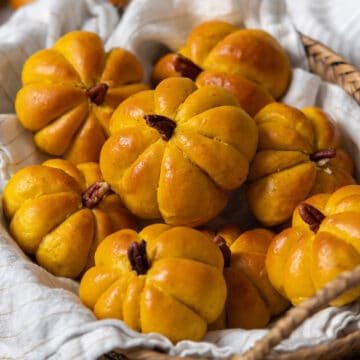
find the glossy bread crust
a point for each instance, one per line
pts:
(288, 166)
(251, 299)
(48, 219)
(252, 97)
(183, 179)
(301, 261)
(69, 92)
(165, 299)
(251, 53)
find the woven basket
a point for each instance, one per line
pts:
(333, 68)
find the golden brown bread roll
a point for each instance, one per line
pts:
(299, 153)
(251, 299)
(69, 92)
(166, 67)
(252, 53)
(169, 155)
(164, 279)
(251, 96)
(321, 243)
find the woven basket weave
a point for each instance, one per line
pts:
(333, 68)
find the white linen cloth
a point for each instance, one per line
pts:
(41, 316)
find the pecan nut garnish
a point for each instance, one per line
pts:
(97, 93)
(312, 216)
(162, 124)
(137, 257)
(323, 154)
(95, 193)
(226, 252)
(185, 67)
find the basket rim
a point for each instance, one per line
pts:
(332, 67)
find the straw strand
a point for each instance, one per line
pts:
(297, 315)
(332, 67)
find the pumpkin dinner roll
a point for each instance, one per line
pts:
(69, 92)
(217, 46)
(176, 151)
(251, 96)
(322, 242)
(164, 279)
(59, 212)
(299, 153)
(251, 300)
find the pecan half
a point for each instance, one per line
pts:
(185, 67)
(221, 243)
(312, 216)
(97, 93)
(162, 124)
(137, 257)
(95, 193)
(323, 154)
